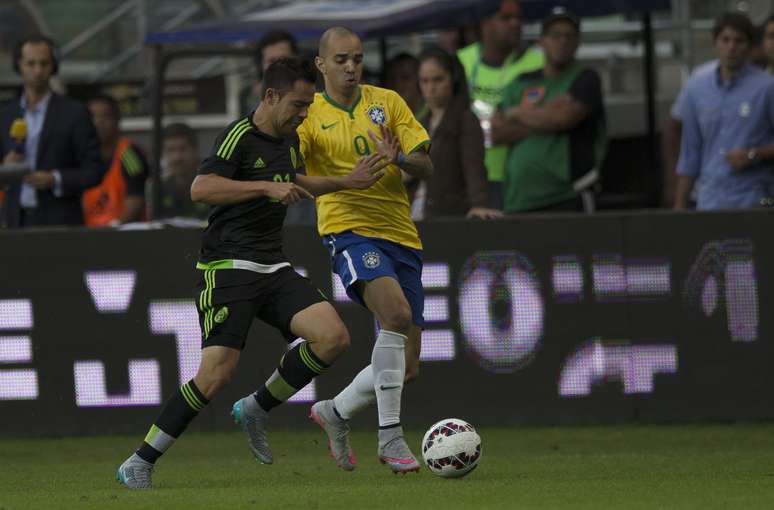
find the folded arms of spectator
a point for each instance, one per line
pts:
(562, 113)
(505, 131)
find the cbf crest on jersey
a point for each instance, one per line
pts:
(377, 115)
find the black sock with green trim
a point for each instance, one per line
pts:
(296, 369)
(178, 412)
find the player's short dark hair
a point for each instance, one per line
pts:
(270, 38)
(181, 130)
(285, 72)
(735, 21)
(110, 101)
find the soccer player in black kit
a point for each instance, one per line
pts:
(251, 177)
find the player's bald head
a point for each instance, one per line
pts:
(330, 35)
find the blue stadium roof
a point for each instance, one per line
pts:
(378, 18)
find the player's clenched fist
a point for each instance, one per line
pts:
(287, 192)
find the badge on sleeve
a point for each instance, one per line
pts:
(745, 109)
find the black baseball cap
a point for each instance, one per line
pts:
(560, 14)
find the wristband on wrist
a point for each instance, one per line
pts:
(401, 158)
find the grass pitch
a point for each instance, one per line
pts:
(619, 467)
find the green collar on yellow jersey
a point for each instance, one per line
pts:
(351, 110)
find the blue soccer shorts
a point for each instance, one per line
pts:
(355, 257)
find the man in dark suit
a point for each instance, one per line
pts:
(54, 136)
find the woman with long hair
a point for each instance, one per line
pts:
(458, 186)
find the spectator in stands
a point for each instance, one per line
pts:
(120, 197)
(556, 120)
(671, 135)
(274, 46)
(458, 187)
(490, 66)
(727, 143)
(54, 136)
(271, 47)
(454, 39)
(400, 75)
(180, 164)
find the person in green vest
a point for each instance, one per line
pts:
(490, 66)
(554, 120)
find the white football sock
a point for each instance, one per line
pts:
(388, 362)
(357, 396)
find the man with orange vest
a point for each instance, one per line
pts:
(120, 197)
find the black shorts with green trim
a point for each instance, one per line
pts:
(229, 299)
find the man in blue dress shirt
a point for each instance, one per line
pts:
(727, 146)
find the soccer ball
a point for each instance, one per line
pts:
(451, 448)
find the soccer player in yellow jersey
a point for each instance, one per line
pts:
(374, 245)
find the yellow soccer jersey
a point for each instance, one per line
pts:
(333, 138)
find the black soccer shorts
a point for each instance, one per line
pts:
(229, 299)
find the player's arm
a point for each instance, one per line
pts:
(213, 189)
(215, 183)
(417, 164)
(367, 171)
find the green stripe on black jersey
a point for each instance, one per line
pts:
(226, 149)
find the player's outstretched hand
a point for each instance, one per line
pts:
(287, 192)
(388, 146)
(367, 171)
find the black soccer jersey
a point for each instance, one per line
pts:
(250, 231)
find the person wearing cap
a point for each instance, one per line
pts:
(727, 146)
(554, 120)
(490, 66)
